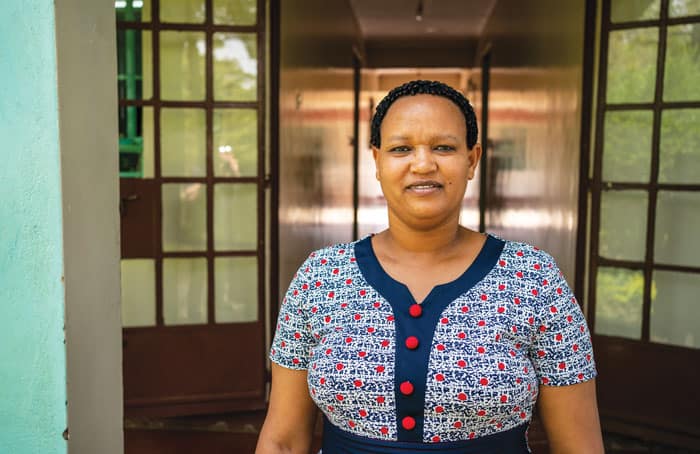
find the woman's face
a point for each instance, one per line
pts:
(424, 164)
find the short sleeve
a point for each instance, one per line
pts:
(561, 352)
(291, 345)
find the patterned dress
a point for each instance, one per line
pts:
(457, 373)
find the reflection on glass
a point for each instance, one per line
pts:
(680, 146)
(184, 217)
(133, 10)
(682, 73)
(632, 65)
(618, 306)
(182, 56)
(627, 146)
(135, 142)
(633, 10)
(623, 225)
(235, 12)
(184, 291)
(134, 64)
(677, 226)
(182, 11)
(138, 284)
(235, 216)
(675, 314)
(236, 289)
(679, 8)
(235, 66)
(235, 142)
(183, 142)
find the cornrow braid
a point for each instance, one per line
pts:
(425, 87)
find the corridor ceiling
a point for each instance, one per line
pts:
(441, 19)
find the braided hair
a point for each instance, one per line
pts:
(425, 87)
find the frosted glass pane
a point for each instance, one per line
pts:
(136, 142)
(235, 142)
(235, 217)
(235, 12)
(133, 10)
(632, 65)
(627, 146)
(138, 283)
(677, 226)
(633, 10)
(236, 289)
(134, 64)
(675, 312)
(182, 57)
(184, 217)
(182, 11)
(618, 305)
(682, 73)
(235, 67)
(623, 225)
(679, 8)
(183, 142)
(184, 291)
(680, 146)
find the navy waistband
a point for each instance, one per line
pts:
(337, 441)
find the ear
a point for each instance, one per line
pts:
(375, 155)
(474, 157)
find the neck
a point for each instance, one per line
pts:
(438, 238)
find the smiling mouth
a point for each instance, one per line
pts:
(424, 186)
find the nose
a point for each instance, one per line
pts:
(423, 160)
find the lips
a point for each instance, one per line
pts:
(425, 185)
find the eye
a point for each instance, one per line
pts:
(444, 148)
(400, 149)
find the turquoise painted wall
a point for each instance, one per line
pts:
(32, 353)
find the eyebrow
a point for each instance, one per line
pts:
(439, 137)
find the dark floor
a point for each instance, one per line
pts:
(237, 434)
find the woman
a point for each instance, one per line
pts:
(429, 337)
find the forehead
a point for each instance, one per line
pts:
(424, 110)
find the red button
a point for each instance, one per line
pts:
(408, 423)
(406, 388)
(412, 342)
(415, 310)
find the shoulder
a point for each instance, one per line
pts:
(524, 253)
(327, 258)
(530, 265)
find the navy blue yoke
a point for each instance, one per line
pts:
(412, 364)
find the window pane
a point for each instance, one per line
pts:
(682, 74)
(618, 306)
(182, 56)
(236, 289)
(632, 65)
(184, 217)
(235, 67)
(183, 142)
(633, 10)
(680, 146)
(235, 142)
(134, 64)
(138, 292)
(135, 142)
(623, 225)
(675, 312)
(679, 8)
(133, 10)
(235, 12)
(627, 146)
(184, 291)
(235, 217)
(677, 226)
(181, 11)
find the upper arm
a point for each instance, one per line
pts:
(570, 418)
(290, 416)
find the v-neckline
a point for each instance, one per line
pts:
(392, 289)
